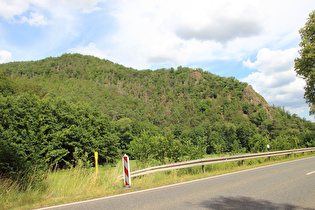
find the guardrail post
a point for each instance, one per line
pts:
(241, 162)
(203, 169)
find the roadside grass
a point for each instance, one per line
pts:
(76, 184)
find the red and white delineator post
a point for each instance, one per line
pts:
(126, 168)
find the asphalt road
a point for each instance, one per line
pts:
(289, 185)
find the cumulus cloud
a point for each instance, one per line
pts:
(222, 30)
(159, 32)
(16, 9)
(70, 5)
(10, 8)
(34, 19)
(273, 61)
(90, 49)
(176, 32)
(180, 32)
(5, 56)
(85, 6)
(276, 79)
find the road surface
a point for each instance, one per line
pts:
(289, 185)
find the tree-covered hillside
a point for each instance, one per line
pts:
(57, 111)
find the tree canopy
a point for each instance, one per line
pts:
(305, 64)
(57, 112)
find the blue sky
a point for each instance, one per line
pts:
(253, 41)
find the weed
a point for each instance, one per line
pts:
(79, 183)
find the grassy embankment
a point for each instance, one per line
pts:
(77, 184)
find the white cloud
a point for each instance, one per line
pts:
(179, 32)
(147, 33)
(34, 19)
(176, 32)
(221, 29)
(5, 56)
(91, 49)
(83, 6)
(276, 79)
(10, 8)
(16, 9)
(273, 61)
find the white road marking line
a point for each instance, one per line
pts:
(171, 185)
(312, 172)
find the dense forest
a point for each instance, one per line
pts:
(56, 112)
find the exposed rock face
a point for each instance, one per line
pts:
(252, 96)
(196, 75)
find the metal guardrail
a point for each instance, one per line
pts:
(209, 161)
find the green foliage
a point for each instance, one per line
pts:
(7, 86)
(281, 143)
(51, 132)
(159, 147)
(245, 131)
(57, 112)
(305, 64)
(258, 117)
(258, 143)
(307, 138)
(194, 149)
(11, 164)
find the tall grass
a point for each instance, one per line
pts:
(62, 186)
(13, 195)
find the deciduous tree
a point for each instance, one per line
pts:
(305, 64)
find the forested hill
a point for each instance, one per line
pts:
(164, 97)
(182, 112)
